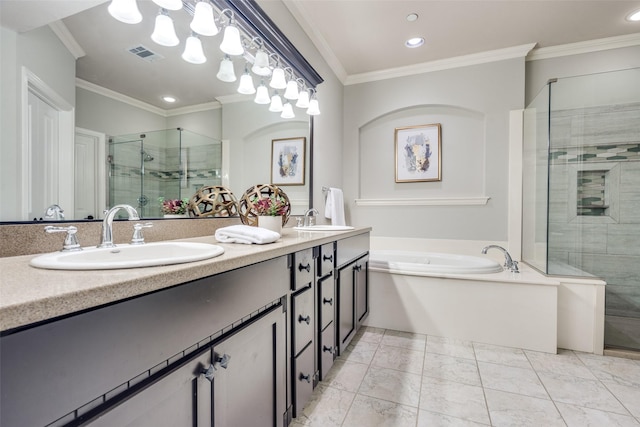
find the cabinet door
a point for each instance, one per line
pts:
(362, 288)
(346, 306)
(251, 390)
(181, 398)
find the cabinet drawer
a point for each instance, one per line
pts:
(303, 322)
(325, 260)
(327, 301)
(351, 248)
(303, 269)
(303, 379)
(327, 350)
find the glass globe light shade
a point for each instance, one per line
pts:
(125, 11)
(231, 44)
(203, 22)
(246, 84)
(292, 90)
(261, 64)
(169, 4)
(287, 111)
(314, 108)
(164, 33)
(262, 95)
(278, 80)
(226, 72)
(193, 51)
(276, 104)
(303, 99)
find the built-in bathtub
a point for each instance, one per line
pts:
(418, 263)
(463, 297)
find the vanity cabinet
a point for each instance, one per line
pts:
(245, 347)
(303, 321)
(352, 284)
(71, 370)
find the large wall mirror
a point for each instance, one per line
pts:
(127, 144)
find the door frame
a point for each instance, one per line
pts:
(63, 164)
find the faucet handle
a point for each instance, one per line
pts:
(138, 238)
(70, 240)
(514, 267)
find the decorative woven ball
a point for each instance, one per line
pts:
(249, 213)
(215, 201)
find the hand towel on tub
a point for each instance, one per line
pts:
(334, 207)
(245, 234)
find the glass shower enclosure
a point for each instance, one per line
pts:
(581, 187)
(169, 164)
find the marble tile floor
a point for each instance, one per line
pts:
(398, 379)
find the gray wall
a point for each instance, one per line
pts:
(472, 104)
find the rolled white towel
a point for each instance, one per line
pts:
(245, 234)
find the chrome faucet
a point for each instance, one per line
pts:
(308, 218)
(509, 263)
(54, 212)
(106, 240)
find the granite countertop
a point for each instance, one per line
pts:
(29, 295)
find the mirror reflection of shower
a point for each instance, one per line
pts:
(144, 167)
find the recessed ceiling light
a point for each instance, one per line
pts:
(169, 99)
(414, 42)
(412, 17)
(634, 16)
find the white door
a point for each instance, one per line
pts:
(89, 174)
(43, 145)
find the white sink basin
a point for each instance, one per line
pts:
(324, 228)
(128, 256)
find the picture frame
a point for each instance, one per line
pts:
(288, 158)
(418, 153)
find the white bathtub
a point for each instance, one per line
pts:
(409, 262)
(457, 296)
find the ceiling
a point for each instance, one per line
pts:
(354, 36)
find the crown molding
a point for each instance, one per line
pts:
(230, 99)
(92, 87)
(584, 47)
(65, 36)
(318, 41)
(520, 51)
(207, 106)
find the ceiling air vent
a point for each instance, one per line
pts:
(142, 52)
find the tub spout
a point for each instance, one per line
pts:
(509, 263)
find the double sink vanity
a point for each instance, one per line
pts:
(238, 339)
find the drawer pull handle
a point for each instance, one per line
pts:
(304, 377)
(327, 301)
(223, 360)
(327, 349)
(304, 319)
(304, 267)
(327, 258)
(357, 267)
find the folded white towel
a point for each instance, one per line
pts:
(334, 207)
(245, 234)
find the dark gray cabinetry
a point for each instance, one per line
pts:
(68, 370)
(352, 287)
(326, 309)
(303, 321)
(219, 383)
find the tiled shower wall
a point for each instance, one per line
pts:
(162, 176)
(592, 149)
